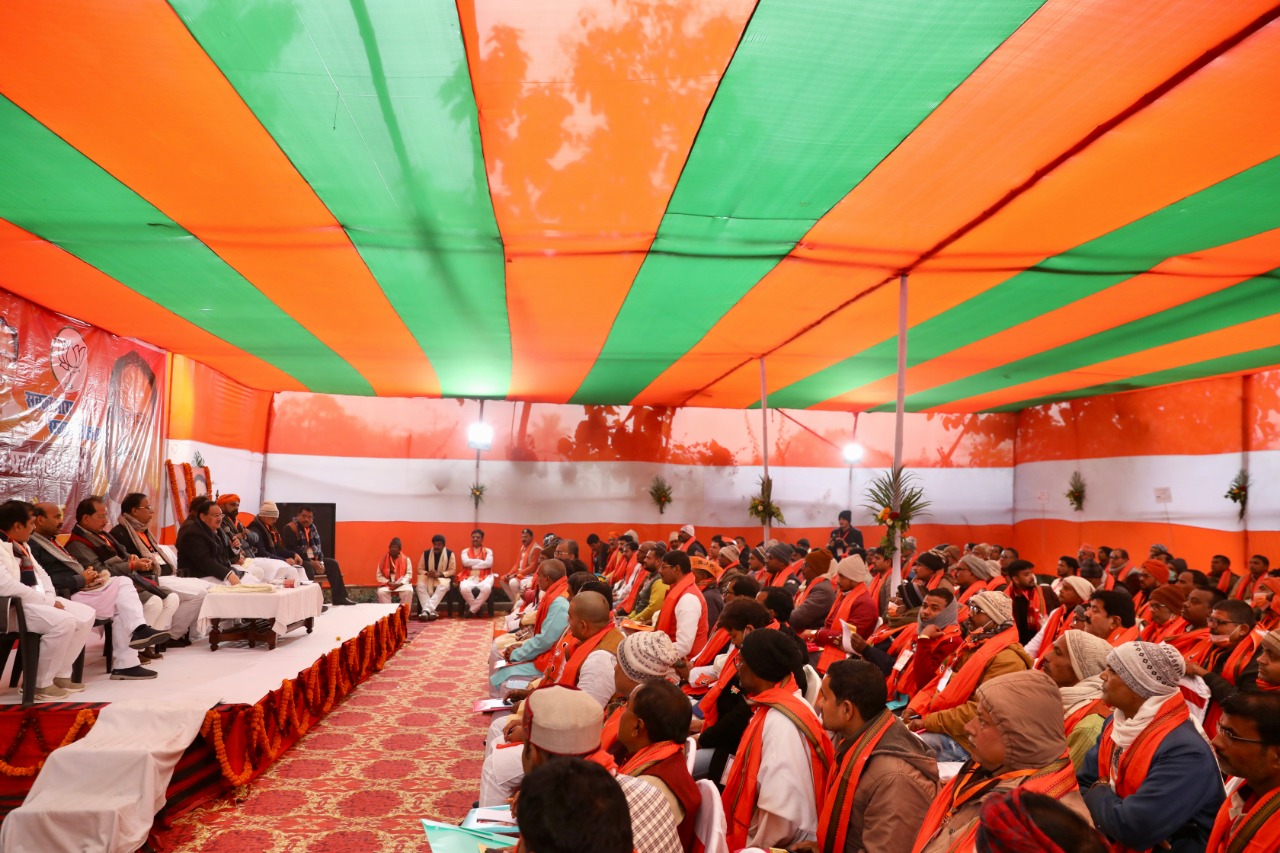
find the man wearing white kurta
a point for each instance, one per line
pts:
(436, 569)
(63, 626)
(476, 575)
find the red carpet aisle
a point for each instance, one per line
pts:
(404, 746)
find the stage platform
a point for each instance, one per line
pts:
(234, 674)
(260, 702)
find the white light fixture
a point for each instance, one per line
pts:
(853, 453)
(480, 436)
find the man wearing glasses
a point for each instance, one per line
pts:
(1248, 748)
(1227, 659)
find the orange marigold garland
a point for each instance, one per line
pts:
(82, 723)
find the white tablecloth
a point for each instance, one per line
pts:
(285, 606)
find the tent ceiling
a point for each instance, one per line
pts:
(616, 201)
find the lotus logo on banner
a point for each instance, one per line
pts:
(68, 354)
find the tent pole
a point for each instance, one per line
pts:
(764, 435)
(896, 577)
(476, 515)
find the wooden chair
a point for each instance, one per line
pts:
(13, 630)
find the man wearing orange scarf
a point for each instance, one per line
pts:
(395, 574)
(784, 744)
(683, 616)
(1112, 617)
(1017, 743)
(652, 729)
(885, 778)
(1248, 748)
(1227, 659)
(530, 657)
(1151, 778)
(943, 708)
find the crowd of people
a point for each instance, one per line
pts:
(99, 573)
(797, 697)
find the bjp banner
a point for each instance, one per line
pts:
(81, 410)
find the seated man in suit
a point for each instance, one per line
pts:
(133, 532)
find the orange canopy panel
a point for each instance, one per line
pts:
(622, 203)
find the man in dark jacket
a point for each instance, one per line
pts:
(134, 535)
(202, 553)
(1169, 789)
(302, 538)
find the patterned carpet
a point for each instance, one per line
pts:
(405, 745)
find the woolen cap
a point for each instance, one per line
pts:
(1148, 669)
(854, 568)
(269, 510)
(997, 605)
(1088, 653)
(647, 655)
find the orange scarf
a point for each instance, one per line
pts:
(1255, 830)
(1134, 763)
(1122, 635)
(963, 681)
(1076, 717)
(1157, 633)
(1244, 589)
(562, 651)
(464, 573)
(394, 569)
(717, 643)
(687, 585)
(612, 720)
(637, 583)
(652, 754)
(559, 589)
(837, 809)
(525, 565)
(707, 705)
(1054, 627)
(781, 578)
(839, 613)
(1188, 641)
(1056, 780)
(809, 587)
(568, 674)
(742, 786)
(902, 678)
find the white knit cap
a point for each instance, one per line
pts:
(854, 568)
(563, 721)
(687, 530)
(1079, 585)
(979, 567)
(1088, 654)
(997, 605)
(647, 655)
(1148, 669)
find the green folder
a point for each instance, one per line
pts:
(447, 838)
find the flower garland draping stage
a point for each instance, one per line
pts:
(237, 743)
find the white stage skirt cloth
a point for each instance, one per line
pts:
(103, 791)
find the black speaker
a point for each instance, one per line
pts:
(326, 517)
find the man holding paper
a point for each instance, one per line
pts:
(395, 574)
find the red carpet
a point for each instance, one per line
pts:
(404, 746)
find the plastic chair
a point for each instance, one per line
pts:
(13, 630)
(813, 685)
(710, 827)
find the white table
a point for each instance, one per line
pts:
(285, 609)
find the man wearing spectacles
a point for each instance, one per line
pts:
(1248, 748)
(1227, 659)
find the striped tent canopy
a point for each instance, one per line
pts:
(634, 201)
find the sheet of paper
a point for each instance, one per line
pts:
(502, 816)
(845, 630)
(489, 706)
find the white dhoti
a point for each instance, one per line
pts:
(476, 592)
(503, 768)
(190, 592)
(159, 611)
(404, 593)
